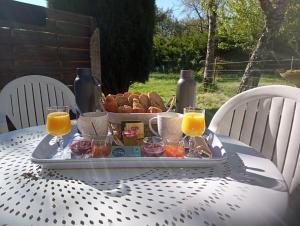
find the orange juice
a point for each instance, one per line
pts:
(58, 123)
(193, 124)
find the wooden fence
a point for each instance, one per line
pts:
(38, 40)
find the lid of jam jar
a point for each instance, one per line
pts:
(153, 140)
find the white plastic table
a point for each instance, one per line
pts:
(246, 190)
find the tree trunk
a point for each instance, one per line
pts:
(273, 18)
(210, 53)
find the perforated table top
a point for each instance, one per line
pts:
(246, 190)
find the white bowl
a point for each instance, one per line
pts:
(98, 119)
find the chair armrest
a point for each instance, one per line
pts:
(3, 124)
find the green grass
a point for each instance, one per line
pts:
(164, 84)
(225, 87)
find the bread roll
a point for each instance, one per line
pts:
(110, 104)
(156, 101)
(125, 109)
(122, 100)
(131, 97)
(138, 110)
(154, 110)
(127, 94)
(136, 103)
(144, 100)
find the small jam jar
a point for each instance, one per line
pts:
(130, 138)
(152, 147)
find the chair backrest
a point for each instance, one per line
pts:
(268, 119)
(25, 100)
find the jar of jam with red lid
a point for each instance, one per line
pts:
(130, 137)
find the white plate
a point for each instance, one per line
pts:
(44, 152)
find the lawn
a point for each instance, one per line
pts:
(225, 87)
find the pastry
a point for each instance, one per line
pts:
(156, 101)
(111, 95)
(122, 100)
(110, 104)
(127, 94)
(154, 110)
(144, 100)
(136, 103)
(138, 110)
(130, 98)
(137, 107)
(125, 109)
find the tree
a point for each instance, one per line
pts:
(196, 8)
(290, 32)
(211, 42)
(274, 15)
(126, 29)
(177, 44)
(166, 24)
(204, 8)
(240, 23)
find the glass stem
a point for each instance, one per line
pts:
(192, 143)
(60, 144)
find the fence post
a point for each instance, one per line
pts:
(215, 70)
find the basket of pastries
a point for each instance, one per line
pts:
(135, 106)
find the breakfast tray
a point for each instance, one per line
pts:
(44, 152)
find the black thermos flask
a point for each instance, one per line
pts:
(84, 88)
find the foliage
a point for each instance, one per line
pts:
(185, 51)
(126, 29)
(166, 24)
(290, 32)
(240, 24)
(177, 44)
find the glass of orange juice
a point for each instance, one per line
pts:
(58, 124)
(193, 124)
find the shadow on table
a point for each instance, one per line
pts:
(112, 182)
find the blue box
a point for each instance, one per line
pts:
(125, 151)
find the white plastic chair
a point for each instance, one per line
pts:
(268, 119)
(25, 100)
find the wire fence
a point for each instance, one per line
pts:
(227, 76)
(235, 67)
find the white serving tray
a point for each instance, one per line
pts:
(44, 152)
